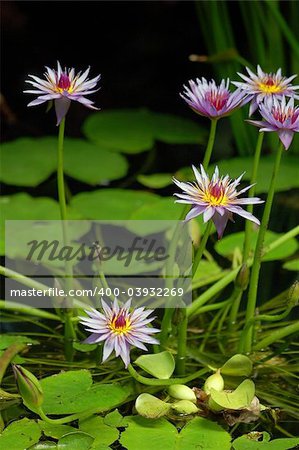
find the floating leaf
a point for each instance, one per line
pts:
(160, 365)
(53, 430)
(8, 339)
(91, 163)
(237, 366)
(250, 442)
(155, 181)
(111, 204)
(199, 433)
(30, 161)
(292, 265)
(115, 419)
(125, 130)
(103, 434)
(73, 392)
(20, 435)
(151, 407)
(177, 130)
(75, 441)
(240, 398)
(228, 245)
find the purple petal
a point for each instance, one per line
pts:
(286, 137)
(220, 223)
(208, 214)
(243, 213)
(196, 211)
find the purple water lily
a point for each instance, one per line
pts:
(210, 100)
(265, 85)
(120, 329)
(281, 117)
(63, 86)
(215, 198)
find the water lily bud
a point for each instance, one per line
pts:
(29, 388)
(293, 295)
(184, 407)
(181, 392)
(242, 278)
(214, 381)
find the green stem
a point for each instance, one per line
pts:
(249, 224)
(182, 344)
(202, 247)
(209, 149)
(253, 286)
(236, 300)
(277, 335)
(14, 306)
(69, 332)
(166, 382)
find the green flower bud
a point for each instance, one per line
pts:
(214, 381)
(29, 388)
(184, 407)
(181, 392)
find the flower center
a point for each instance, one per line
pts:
(215, 195)
(217, 99)
(270, 86)
(120, 324)
(284, 114)
(64, 83)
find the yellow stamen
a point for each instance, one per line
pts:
(270, 88)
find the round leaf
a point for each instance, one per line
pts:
(111, 204)
(160, 365)
(75, 441)
(177, 130)
(125, 130)
(237, 366)
(155, 181)
(20, 435)
(240, 398)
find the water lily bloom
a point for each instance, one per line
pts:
(264, 85)
(215, 198)
(63, 86)
(210, 100)
(120, 329)
(281, 117)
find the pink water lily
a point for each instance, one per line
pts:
(281, 117)
(63, 86)
(265, 85)
(120, 329)
(216, 198)
(210, 100)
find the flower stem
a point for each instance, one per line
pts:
(69, 332)
(277, 335)
(246, 341)
(164, 382)
(248, 224)
(209, 149)
(182, 344)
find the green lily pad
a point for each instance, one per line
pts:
(248, 442)
(30, 161)
(115, 419)
(292, 265)
(73, 392)
(75, 441)
(55, 431)
(110, 204)
(237, 366)
(198, 433)
(155, 181)
(135, 130)
(228, 245)
(8, 339)
(240, 398)
(151, 407)
(20, 435)
(160, 365)
(103, 434)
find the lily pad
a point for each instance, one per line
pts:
(75, 441)
(160, 365)
(237, 366)
(155, 181)
(199, 433)
(55, 431)
(228, 245)
(20, 435)
(73, 392)
(292, 265)
(240, 398)
(103, 434)
(151, 407)
(248, 442)
(111, 204)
